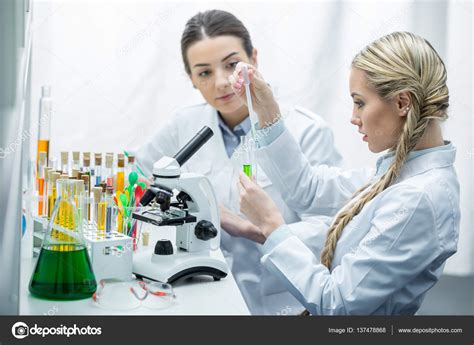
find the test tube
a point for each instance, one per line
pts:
(52, 162)
(130, 167)
(87, 210)
(81, 200)
(78, 189)
(65, 162)
(40, 180)
(109, 160)
(53, 178)
(249, 165)
(102, 212)
(120, 172)
(97, 193)
(86, 162)
(110, 209)
(75, 174)
(76, 160)
(46, 108)
(47, 189)
(98, 169)
(86, 170)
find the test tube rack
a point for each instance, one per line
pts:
(111, 253)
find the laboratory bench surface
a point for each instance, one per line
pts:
(195, 296)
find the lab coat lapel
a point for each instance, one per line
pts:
(221, 169)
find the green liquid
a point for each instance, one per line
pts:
(63, 275)
(248, 170)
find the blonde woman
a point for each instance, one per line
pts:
(388, 243)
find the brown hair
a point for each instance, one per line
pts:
(213, 23)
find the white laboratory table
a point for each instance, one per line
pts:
(197, 296)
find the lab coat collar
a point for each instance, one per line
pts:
(419, 161)
(218, 149)
(244, 125)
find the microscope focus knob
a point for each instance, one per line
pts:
(205, 230)
(163, 247)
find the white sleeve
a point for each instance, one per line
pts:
(312, 230)
(401, 243)
(322, 189)
(318, 146)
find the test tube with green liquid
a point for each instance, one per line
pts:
(248, 170)
(247, 152)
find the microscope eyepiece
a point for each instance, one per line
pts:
(193, 145)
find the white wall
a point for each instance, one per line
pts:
(117, 73)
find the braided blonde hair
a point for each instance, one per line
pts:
(398, 62)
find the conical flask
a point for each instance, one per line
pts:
(63, 270)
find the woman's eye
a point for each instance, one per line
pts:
(204, 73)
(233, 64)
(359, 104)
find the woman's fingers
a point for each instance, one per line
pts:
(245, 181)
(236, 87)
(263, 101)
(238, 73)
(240, 65)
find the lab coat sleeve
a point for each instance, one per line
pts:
(401, 243)
(311, 230)
(320, 189)
(318, 146)
(267, 135)
(163, 143)
(317, 142)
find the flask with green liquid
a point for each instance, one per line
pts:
(63, 270)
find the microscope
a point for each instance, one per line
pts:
(188, 202)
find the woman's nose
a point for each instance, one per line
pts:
(222, 79)
(355, 120)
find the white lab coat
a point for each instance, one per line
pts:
(389, 255)
(261, 291)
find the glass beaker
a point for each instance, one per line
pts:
(63, 270)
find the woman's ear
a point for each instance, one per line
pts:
(253, 58)
(403, 103)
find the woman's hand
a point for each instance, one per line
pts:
(263, 101)
(259, 208)
(240, 227)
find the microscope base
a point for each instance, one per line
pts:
(180, 265)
